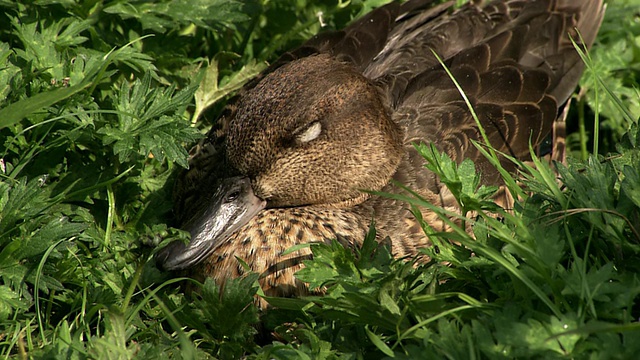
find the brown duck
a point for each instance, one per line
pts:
(287, 162)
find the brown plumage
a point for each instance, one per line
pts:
(340, 114)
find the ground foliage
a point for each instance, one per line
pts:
(98, 101)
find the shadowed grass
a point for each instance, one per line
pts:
(91, 135)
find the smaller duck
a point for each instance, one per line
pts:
(288, 160)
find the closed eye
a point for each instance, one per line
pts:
(310, 133)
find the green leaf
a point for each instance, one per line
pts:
(630, 185)
(150, 121)
(229, 312)
(161, 16)
(15, 112)
(212, 89)
(10, 301)
(46, 235)
(113, 344)
(20, 201)
(330, 263)
(462, 180)
(379, 343)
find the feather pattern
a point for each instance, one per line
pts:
(341, 113)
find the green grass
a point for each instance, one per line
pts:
(98, 101)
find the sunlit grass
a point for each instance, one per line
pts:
(91, 135)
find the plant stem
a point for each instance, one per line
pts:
(110, 215)
(132, 286)
(582, 130)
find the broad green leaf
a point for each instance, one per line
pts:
(212, 89)
(379, 343)
(10, 301)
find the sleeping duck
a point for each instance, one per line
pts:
(288, 161)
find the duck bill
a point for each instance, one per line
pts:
(232, 206)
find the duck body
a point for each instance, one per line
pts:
(340, 115)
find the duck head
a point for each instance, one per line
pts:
(312, 132)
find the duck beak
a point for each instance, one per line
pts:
(232, 205)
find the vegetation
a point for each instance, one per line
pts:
(98, 101)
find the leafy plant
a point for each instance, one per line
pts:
(100, 99)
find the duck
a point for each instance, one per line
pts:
(299, 155)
